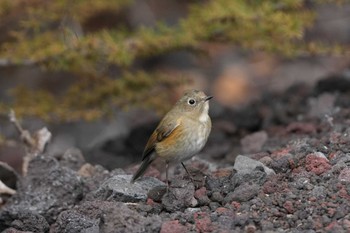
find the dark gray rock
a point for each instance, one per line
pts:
(47, 190)
(157, 193)
(93, 177)
(319, 192)
(282, 164)
(243, 193)
(216, 197)
(257, 176)
(119, 188)
(180, 196)
(72, 158)
(73, 221)
(104, 216)
(302, 183)
(14, 230)
(245, 165)
(221, 181)
(23, 220)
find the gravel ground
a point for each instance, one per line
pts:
(281, 164)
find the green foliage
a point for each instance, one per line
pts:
(50, 34)
(93, 97)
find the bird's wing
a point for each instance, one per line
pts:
(163, 131)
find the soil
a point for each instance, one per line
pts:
(280, 164)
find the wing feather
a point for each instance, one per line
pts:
(162, 131)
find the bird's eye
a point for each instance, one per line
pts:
(191, 101)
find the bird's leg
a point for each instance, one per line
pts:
(189, 174)
(166, 175)
(197, 183)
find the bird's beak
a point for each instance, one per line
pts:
(208, 98)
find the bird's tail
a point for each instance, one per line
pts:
(145, 164)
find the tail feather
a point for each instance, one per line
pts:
(145, 164)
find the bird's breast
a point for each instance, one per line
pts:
(186, 140)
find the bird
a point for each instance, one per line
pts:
(180, 135)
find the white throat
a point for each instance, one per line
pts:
(204, 116)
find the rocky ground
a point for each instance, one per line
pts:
(293, 175)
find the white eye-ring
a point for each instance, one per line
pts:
(191, 102)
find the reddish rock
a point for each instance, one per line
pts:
(288, 205)
(199, 193)
(250, 228)
(266, 160)
(312, 199)
(270, 187)
(331, 204)
(317, 164)
(332, 155)
(346, 224)
(331, 212)
(201, 196)
(292, 164)
(220, 173)
(333, 227)
(298, 170)
(317, 222)
(259, 155)
(343, 192)
(280, 153)
(150, 202)
(335, 155)
(274, 184)
(236, 205)
(345, 175)
(203, 222)
(338, 138)
(173, 226)
(334, 137)
(222, 210)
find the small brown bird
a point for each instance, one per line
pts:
(181, 134)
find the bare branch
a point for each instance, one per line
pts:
(5, 189)
(13, 119)
(35, 144)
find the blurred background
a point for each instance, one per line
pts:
(100, 74)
